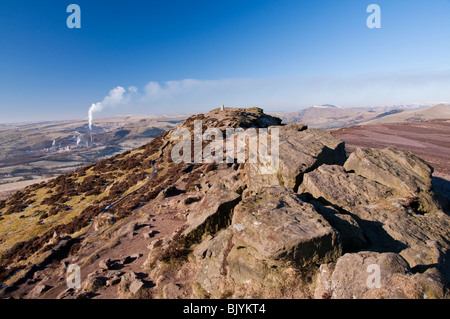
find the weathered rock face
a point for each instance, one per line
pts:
(353, 238)
(371, 275)
(351, 277)
(346, 190)
(400, 170)
(276, 239)
(272, 236)
(213, 254)
(212, 213)
(280, 226)
(388, 221)
(300, 151)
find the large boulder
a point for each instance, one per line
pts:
(278, 225)
(372, 275)
(212, 213)
(364, 200)
(387, 223)
(300, 151)
(402, 171)
(347, 190)
(212, 254)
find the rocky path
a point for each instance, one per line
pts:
(104, 262)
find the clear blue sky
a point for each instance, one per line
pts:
(190, 55)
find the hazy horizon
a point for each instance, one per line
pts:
(412, 106)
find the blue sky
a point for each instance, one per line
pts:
(168, 56)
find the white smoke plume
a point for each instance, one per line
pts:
(117, 96)
(281, 93)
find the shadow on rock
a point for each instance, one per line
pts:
(441, 188)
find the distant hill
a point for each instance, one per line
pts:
(440, 111)
(405, 107)
(328, 116)
(324, 106)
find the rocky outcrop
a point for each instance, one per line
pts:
(273, 235)
(275, 238)
(371, 275)
(212, 255)
(333, 184)
(320, 226)
(300, 151)
(212, 213)
(233, 118)
(277, 225)
(390, 222)
(400, 170)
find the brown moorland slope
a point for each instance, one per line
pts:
(429, 140)
(438, 111)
